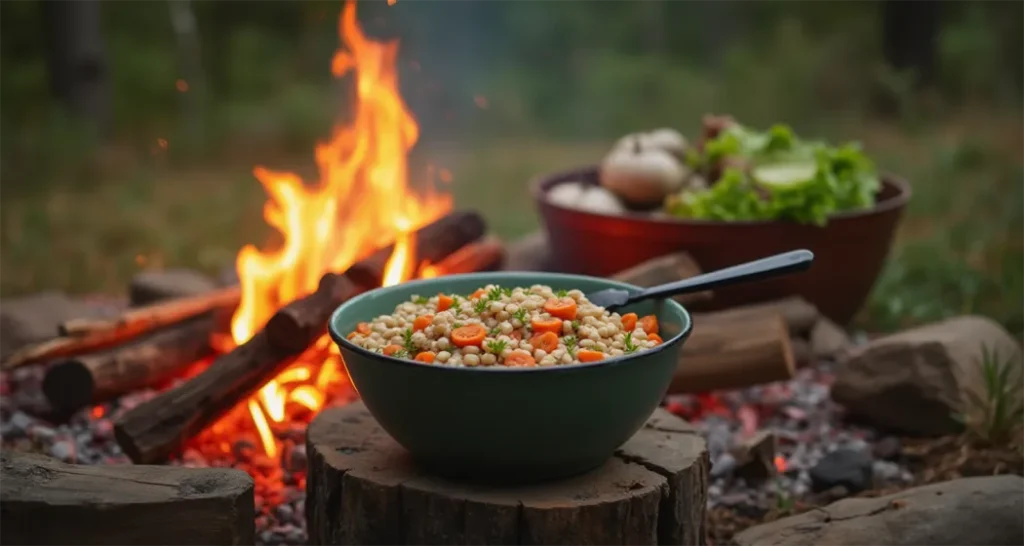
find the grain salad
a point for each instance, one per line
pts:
(499, 326)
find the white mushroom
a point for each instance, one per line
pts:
(642, 177)
(577, 195)
(669, 140)
(665, 139)
(601, 201)
(567, 194)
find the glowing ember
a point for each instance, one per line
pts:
(361, 202)
(780, 463)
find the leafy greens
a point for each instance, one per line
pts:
(773, 175)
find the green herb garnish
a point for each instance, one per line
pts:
(457, 325)
(496, 346)
(570, 345)
(561, 293)
(628, 342)
(575, 325)
(481, 305)
(456, 300)
(420, 300)
(407, 340)
(401, 353)
(495, 293)
(520, 315)
(495, 331)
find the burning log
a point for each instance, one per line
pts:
(159, 427)
(485, 255)
(43, 501)
(298, 324)
(434, 243)
(730, 350)
(86, 335)
(152, 359)
(152, 431)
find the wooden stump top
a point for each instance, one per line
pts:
(45, 501)
(363, 488)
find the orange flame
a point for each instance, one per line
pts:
(361, 202)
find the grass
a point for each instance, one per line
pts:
(959, 249)
(995, 415)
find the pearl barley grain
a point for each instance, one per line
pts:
(503, 326)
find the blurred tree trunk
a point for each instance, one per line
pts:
(910, 32)
(192, 85)
(654, 18)
(76, 59)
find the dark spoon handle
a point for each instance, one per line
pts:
(772, 266)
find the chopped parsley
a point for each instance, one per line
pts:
(495, 293)
(561, 293)
(456, 300)
(575, 325)
(570, 345)
(496, 346)
(495, 331)
(410, 347)
(481, 305)
(420, 300)
(520, 315)
(457, 325)
(401, 353)
(628, 342)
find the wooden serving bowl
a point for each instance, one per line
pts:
(849, 251)
(491, 424)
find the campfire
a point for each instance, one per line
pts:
(232, 384)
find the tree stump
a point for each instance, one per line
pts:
(363, 488)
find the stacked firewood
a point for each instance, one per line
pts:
(95, 360)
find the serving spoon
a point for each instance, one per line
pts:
(772, 266)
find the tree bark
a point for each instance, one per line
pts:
(76, 59)
(44, 501)
(654, 491)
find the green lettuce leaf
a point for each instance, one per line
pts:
(785, 179)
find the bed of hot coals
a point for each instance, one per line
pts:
(770, 446)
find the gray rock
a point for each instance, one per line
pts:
(969, 511)
(34, 318)
(849, 468)
(64, 450)
(828, 340)
(917, 381)
(150, 286)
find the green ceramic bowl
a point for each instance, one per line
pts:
(500, 425)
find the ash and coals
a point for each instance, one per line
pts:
(817, 455)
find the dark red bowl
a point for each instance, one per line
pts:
(849, 251)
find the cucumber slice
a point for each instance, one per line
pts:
(785, 175)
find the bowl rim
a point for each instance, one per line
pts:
(538, 191)
(566, 368)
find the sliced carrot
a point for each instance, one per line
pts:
(541, 325)
(351, 335)
(655, 338)
(629, 322)
(546, 341)
(422, 322)
(520, 359)
(516, 335)
(563, 308)
(586, 355)
(472, 334)
(392, 349)
(363, 328)
(478, 294)
(444, 302)
(426, 356)
(649, 324)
